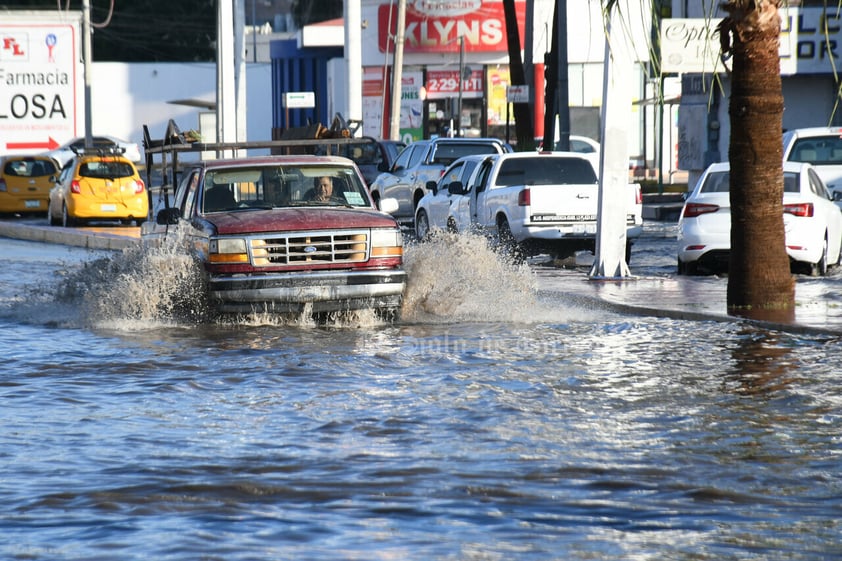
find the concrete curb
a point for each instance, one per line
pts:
(635, 310)
(67, 236)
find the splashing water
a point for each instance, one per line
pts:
(460, 277)
(451, 278)
(145, 283)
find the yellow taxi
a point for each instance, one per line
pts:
(25, 183)
(97, 185)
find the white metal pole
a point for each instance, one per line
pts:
(88, 61)
(353, 59)
(397, 73)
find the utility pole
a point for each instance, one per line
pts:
(86, 56)
(397, 73)
(562, 104)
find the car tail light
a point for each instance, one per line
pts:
(801, 209)
(524, 198)
(638, 195)
(697, 209)
(75, 187)
(138, 186)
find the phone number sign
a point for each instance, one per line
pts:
(39, 83)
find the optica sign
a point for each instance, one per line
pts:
(40, 80)
(440, 26)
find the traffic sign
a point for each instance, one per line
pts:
(41, 72)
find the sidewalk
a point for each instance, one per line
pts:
(818, 300)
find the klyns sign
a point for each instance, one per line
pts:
(436, 27)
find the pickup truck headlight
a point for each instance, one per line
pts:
(228, 250)
(386, 243)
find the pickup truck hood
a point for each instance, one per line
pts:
(297, 219)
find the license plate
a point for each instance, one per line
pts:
(108, 208)
(32, 204)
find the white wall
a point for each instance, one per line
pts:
(125, 96)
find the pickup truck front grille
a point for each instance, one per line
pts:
(310, 247)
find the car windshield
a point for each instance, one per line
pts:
(106, 169)
(543, 170)
(817, 150)
(266, 187)
(719, 181)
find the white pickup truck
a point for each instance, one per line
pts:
(544, 202)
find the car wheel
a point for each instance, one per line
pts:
(507, 240)
(451, 226)
(820, 269)
(689, 268)
(422, 225)
(66, 220)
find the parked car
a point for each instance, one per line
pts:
(821, 147)
(445, 205)
(544, 202)
(424, 161)
(107, 143)
(372, 155)
(813, 223)
(25, 183)
(97, 185)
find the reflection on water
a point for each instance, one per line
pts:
(470, 430)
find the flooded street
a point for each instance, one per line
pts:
(495, 421)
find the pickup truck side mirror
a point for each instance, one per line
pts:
(168, 216)
(433, 186)
(456, 188)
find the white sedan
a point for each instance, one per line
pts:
(66, 151)
(812, 222)
(446, 205)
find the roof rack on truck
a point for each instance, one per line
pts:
(299, 140)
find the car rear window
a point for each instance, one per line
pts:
(446, 154)
(719, 181)
(817, 150)
(29, 168)
(546, 171)
(106, 170)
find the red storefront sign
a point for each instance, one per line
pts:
(445, 83)
(436, 27)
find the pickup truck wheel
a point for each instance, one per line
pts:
(507, 241)
(422, 225)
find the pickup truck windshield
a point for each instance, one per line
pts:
(545, 170)
(265, 187)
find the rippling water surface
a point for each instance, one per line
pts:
(496, 421)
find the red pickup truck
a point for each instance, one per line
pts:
(269, 236)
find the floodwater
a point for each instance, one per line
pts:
(495, 421)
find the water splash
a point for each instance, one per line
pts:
(462, 277)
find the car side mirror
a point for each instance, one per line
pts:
(837, 195)
(167, 216)
(433, 186)
(456, 188)
(389, 205)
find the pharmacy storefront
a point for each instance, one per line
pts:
(455, 69)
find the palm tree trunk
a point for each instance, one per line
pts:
(760, 284)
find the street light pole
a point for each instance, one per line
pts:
(461, 79)
(86, 55)
(397, 73)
